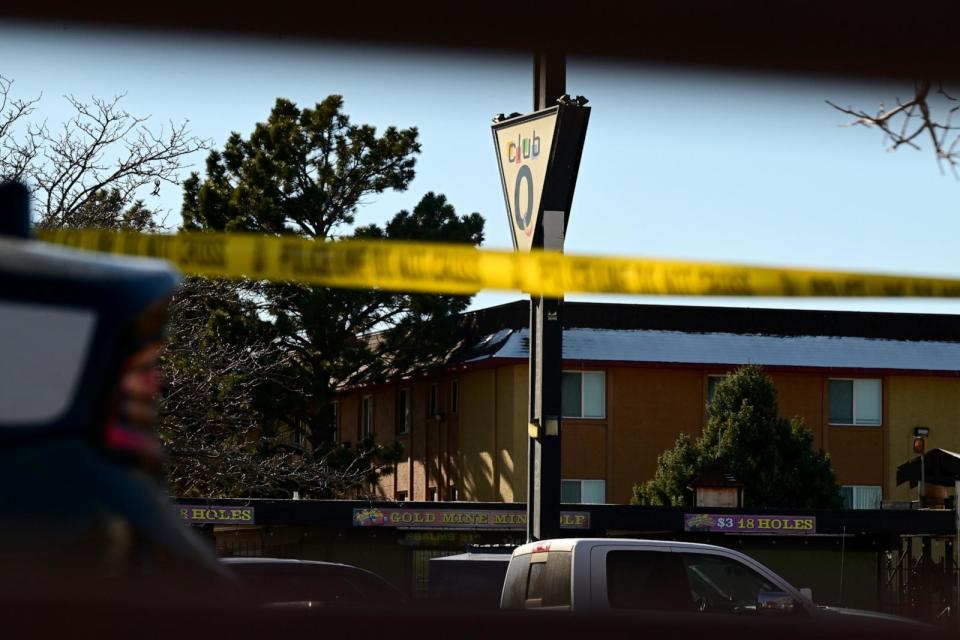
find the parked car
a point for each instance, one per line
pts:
(287, 582)
(619, 575)
(470, 580)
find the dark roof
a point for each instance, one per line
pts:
(487, 333)
(715, 475)
(749, 320)
(940, 467)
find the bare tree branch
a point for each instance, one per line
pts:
(103, 156)
(908, 121)
(15, 155)
(218, 441)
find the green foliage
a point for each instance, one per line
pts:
(675, 468)
(773, 457)
(303, 171)
(307, 172)
(108, 209)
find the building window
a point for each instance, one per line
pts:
(455, 396)
(855, 402)
(583, 491)
(861, 496)
(712, 382)
(453, 493)
(432, 495)
(584, 394)
(432, 403)
(403, 411)
(401, 496)
(366, 416)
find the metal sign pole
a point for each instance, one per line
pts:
(920, 488)
(531, 441)
(546, 354)
(539, 157)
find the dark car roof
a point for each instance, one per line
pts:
(286, 561)
(291, 580)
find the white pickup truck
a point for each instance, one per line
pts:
(654, 575)
(608, 574)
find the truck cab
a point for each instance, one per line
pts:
(605, 574)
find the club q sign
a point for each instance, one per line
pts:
(539, 156)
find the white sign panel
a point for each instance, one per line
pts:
(523, 151)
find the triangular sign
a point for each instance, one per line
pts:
(523, 151)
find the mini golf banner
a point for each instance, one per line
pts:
(749, 523)
(213, 514)
(458, 519)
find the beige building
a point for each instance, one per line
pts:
(635, 376)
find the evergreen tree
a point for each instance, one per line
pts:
(306, 172)
(773, 457)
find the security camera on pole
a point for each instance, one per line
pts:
(539, 157)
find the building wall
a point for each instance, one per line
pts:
(648, 408)
(480, 453)
(803, 395)
(430, 447)
(512, 411)
(478, 431)
(928, 401)
(856, 454)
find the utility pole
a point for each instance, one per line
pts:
(546, 346)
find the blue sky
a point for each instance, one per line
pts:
(678, 163)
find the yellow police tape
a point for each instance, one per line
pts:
(448, 268)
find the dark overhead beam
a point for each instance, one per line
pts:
(850, 38)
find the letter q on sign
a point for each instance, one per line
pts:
(523, 221)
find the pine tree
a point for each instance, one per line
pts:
(773, 457)
(303, 172)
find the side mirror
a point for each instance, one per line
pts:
(775, 602)
(807, 593)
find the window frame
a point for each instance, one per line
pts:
(404, 413)
(581, 481)
(720, 377)
(364, 432)
(580, 372)
(853, 405)
(853, 496)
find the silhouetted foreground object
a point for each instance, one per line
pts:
(14, 210)
(84, 515)
(211, 619)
